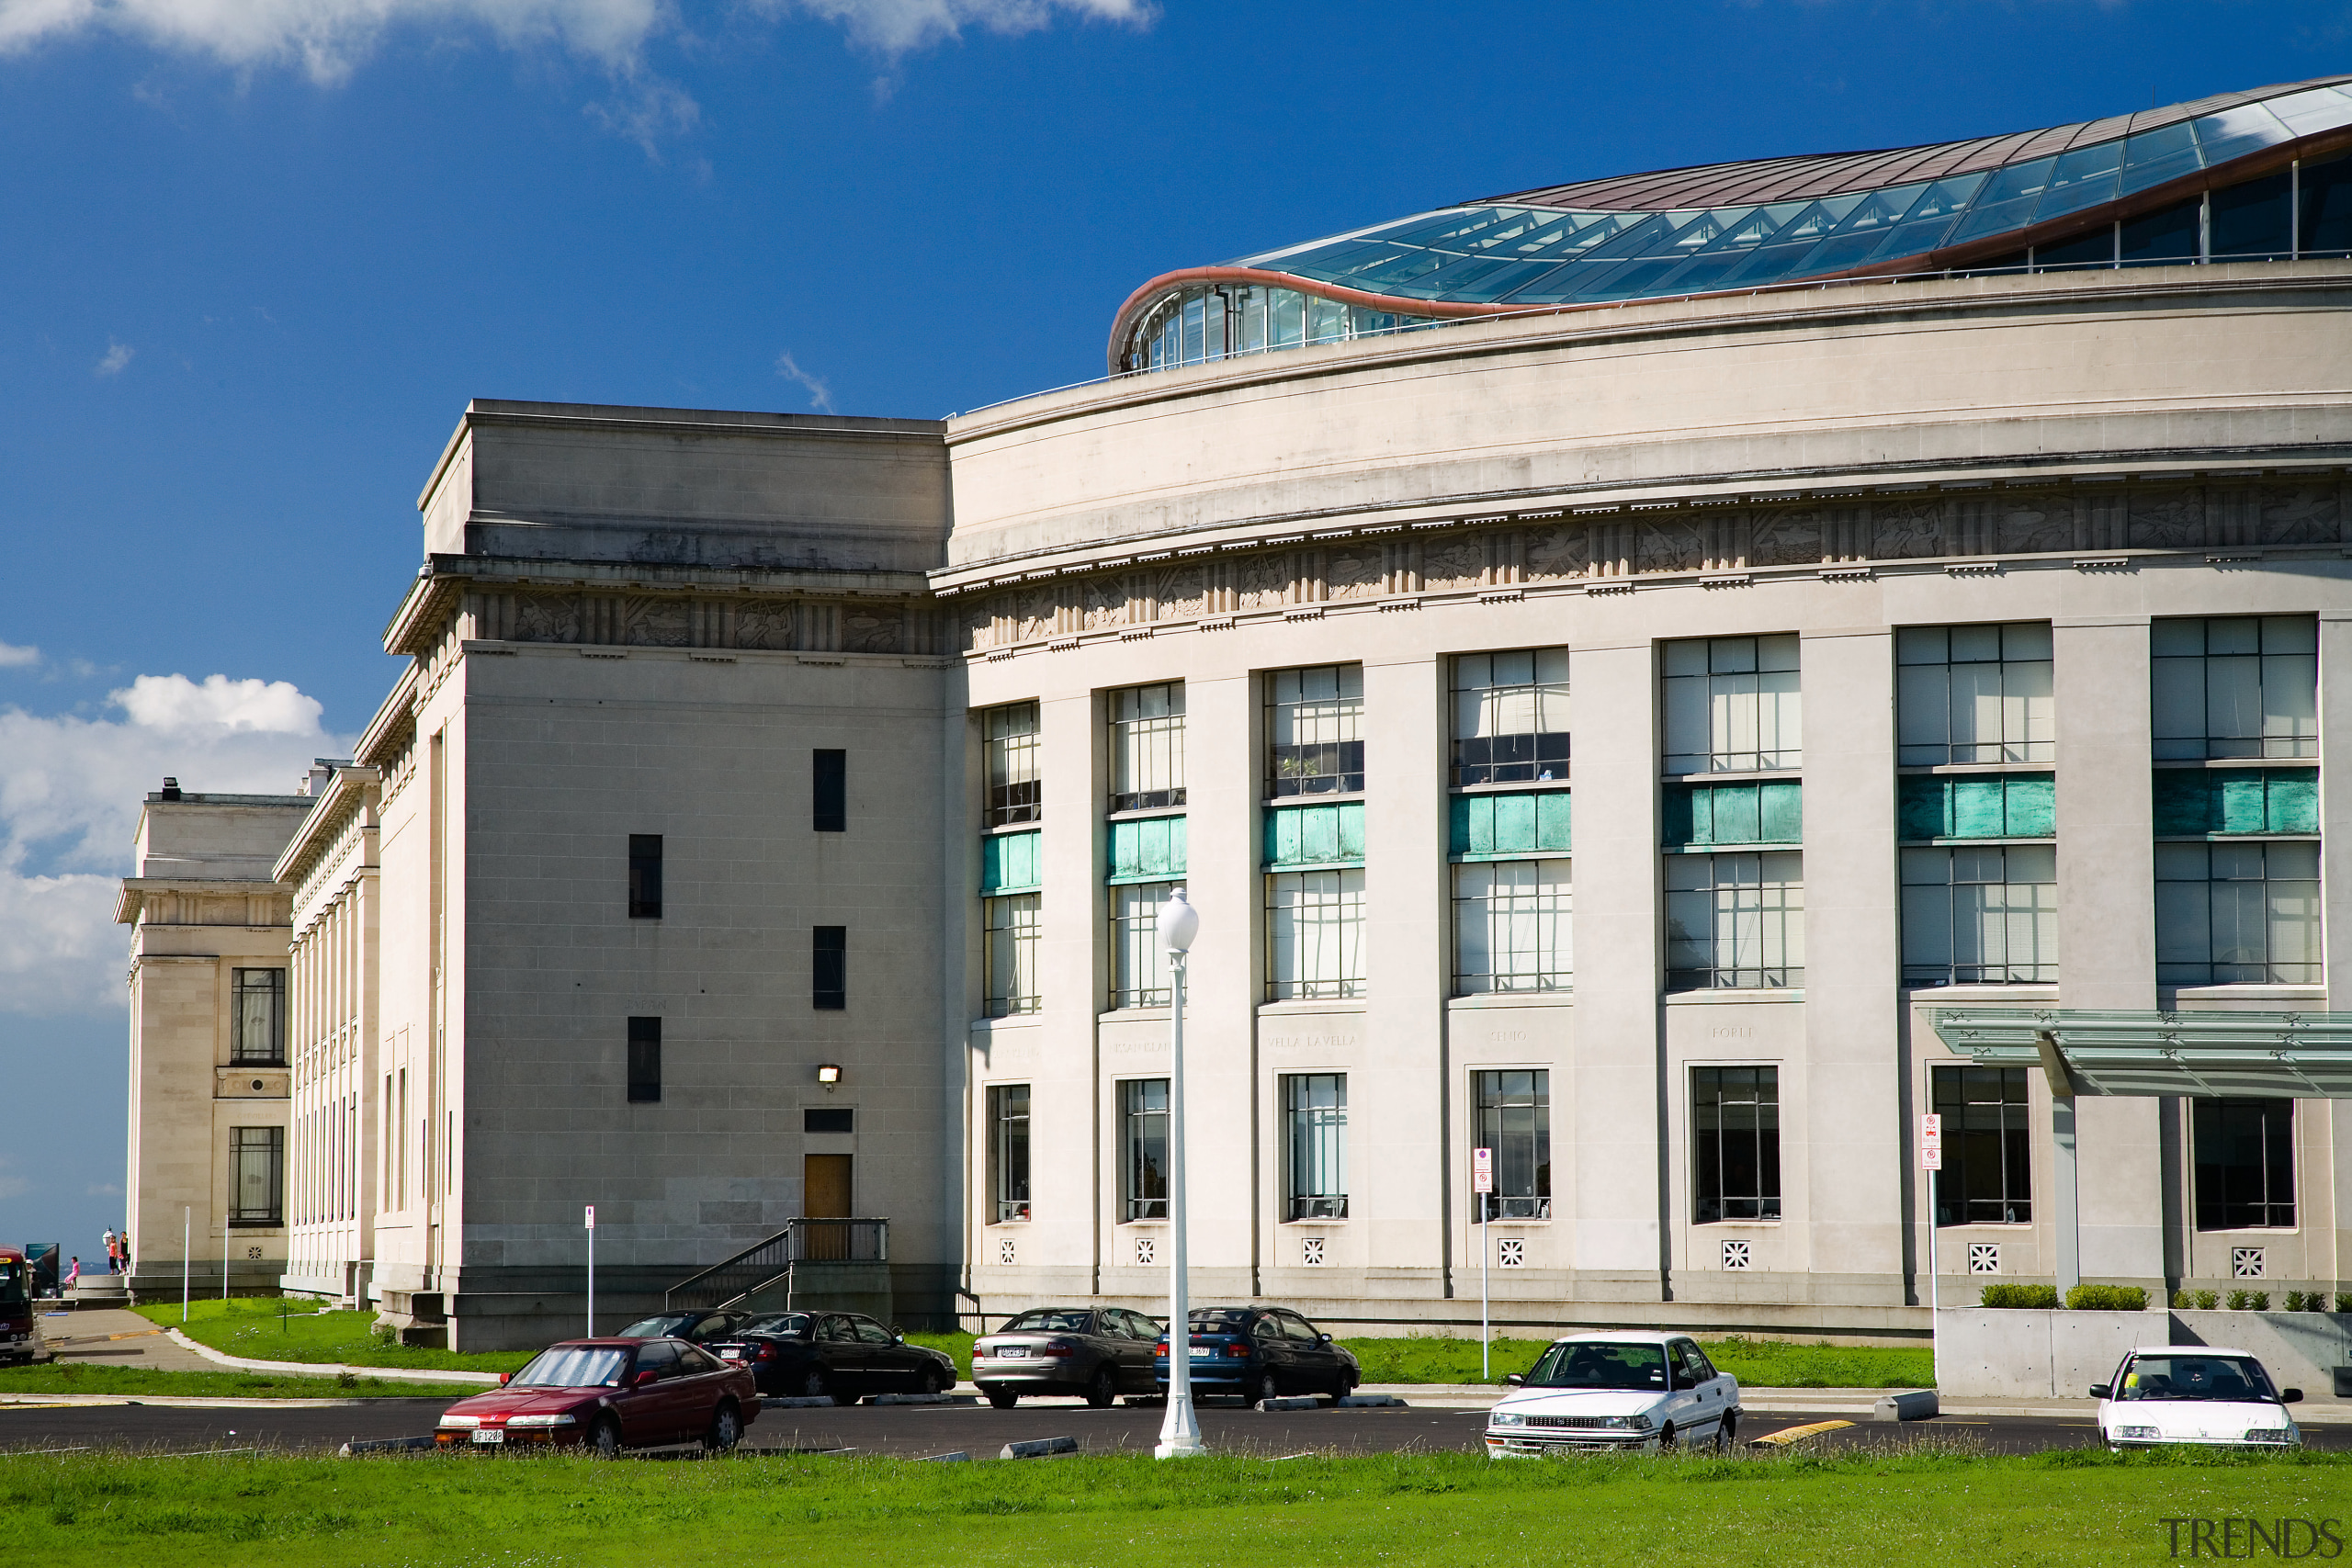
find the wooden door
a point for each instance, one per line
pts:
(825, 1195)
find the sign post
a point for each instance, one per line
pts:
(1482, 1182)
(187, 1243)
(1931, 1160)
(592, 1270)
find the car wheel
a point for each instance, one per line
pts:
(726, 1430)
(1001, 1398)
(1667, 1441)
(933, 1381)
(817, 1385)
(604, 1438)
(1345, 1387)
(1267, 1389)
(1103, 1392)
(1727, 1432)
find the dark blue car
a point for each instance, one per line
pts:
(1251, 1353)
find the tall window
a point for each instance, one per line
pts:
(1008, 1152)
(1009, 738)
(256, 1176)
(1010, 939)
(1514, 1110)
(2246, 912)
(1732, 705)
(1314, 934)
(828, 790)
(2245, 1163)
(1314, 730)
(2235, 686)
(1148, 747)
(644, 1061)
(1511, 716)
(1143, 1149)
(1980, 915)
(828, 969)
(1975, 695)
(1987, 1178)
(1138, 968)
(258, 1018)
(644, 876)
(1510, 926)
(1735, 1130)
(1735, 920)
(1315, 1138)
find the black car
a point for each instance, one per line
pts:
(698, 1328)
(840, 1356)
(1098, 1353)
(1261, 1352)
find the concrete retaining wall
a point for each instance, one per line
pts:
(1988, 1353)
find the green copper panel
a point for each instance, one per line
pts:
(1711, 815)
(1315, 835)
(1008, 862)
(1532, 822)
(1149, 849)
(1976, 805)
(2193, 802)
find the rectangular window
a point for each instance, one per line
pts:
(1980, 916)
(828, 1119)
(828, 969)
(2235, 686)
(258, 1018)
(1138, 968)
(1511, 716)
(644, 876)
(1987, 1178)
(1315, 1140)
(1732, 705)
(1735, 920)
(1735, 1130)
(1514, 1111)
(256, 1176)
(1148, 747)
(1143, 1149)
(1009, 739)
(2245, 1163)
(1009, 934)
(1008, 1152)
(1975, 695)
(2243, 913)
(1314, 934)
(644, 1061)
(1314, 730)
(828, 790)
(1510, 926)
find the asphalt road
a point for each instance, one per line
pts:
(917, 1431)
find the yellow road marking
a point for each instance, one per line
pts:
(1794, 1434)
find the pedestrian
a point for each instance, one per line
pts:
(122, 1241)
(111, 1260)
(71, 1275)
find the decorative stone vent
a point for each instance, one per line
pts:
(1310, 1252)
(1510, 1252)
(1146, 1251)
(1006, 1250)
(2245, 1263)
(1737, 1255)
(1984, 1258)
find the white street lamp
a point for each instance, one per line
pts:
(1180, 1434)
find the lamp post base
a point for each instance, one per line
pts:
(1179, 1435)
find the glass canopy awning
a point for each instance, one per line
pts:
(2302, 1055)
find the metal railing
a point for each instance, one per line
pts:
(772, 1262)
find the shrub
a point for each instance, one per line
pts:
(2207, 1300)
(2029, 1296)
(2298, 1302)
(2249, 1301)
(2107, 1298)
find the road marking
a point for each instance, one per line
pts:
(1794, 1434)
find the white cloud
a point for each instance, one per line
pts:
(899, 26)
(13, 657)
(820, 395)
(118, 354)
(70, 793)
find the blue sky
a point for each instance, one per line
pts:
(249, 276)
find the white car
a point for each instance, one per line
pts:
(2194, 1394)
(1615, 1392)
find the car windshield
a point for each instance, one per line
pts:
(15, 1276)
(1588, 1365)
(1220, 1320)
(574, 1365)
(668, 1325)
(2237, 1378)
(791, 1325)
(1050, 1322)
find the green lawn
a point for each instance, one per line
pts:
(252, 1326)
(80, 1377)
(2074, 1509)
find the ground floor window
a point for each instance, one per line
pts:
(1736, 1133)
(1510, 926)
(1010, 938)
(1008, 1152)
(1315, 1141)
(1735, 920)
(2245, 1162)
(1314, 934)
(1980, 915)
(1514, 1111)
(1987, 1178)
(256, 1176)
(1143, 1149)
(2238, 913)
(1138, 967)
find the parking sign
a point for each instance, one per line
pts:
(1482, 1170)
(1932, 1142)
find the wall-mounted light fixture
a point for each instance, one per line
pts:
(829, 1073)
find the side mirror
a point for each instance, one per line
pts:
(2102, 1390)
(895, 1334)
(1322, 1339)
(504, 1378)
(1515, 1379)
(2290, 1397)
(646, 1378)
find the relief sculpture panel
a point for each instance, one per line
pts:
(1904, 529)
(1265, 581)
(1184, 591)
(763, 622)
(545, 617)
(1560, 549)
(2302, 515)
(1353, 573)
(1459, 563)
(2170, 519)
(660, 623)
(1667, 545)
(870, 629)
(1784, 538)
(1106, 600)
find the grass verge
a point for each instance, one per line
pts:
(75, 1377)
(2072, 1507)
(274, 1328)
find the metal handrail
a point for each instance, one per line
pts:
(764, 1263)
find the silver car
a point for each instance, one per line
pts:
(1096, 1353)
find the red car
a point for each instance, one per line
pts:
(607, 1396)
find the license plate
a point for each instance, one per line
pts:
(1012, 1353)
(1203, 1352)
(490, 1434)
